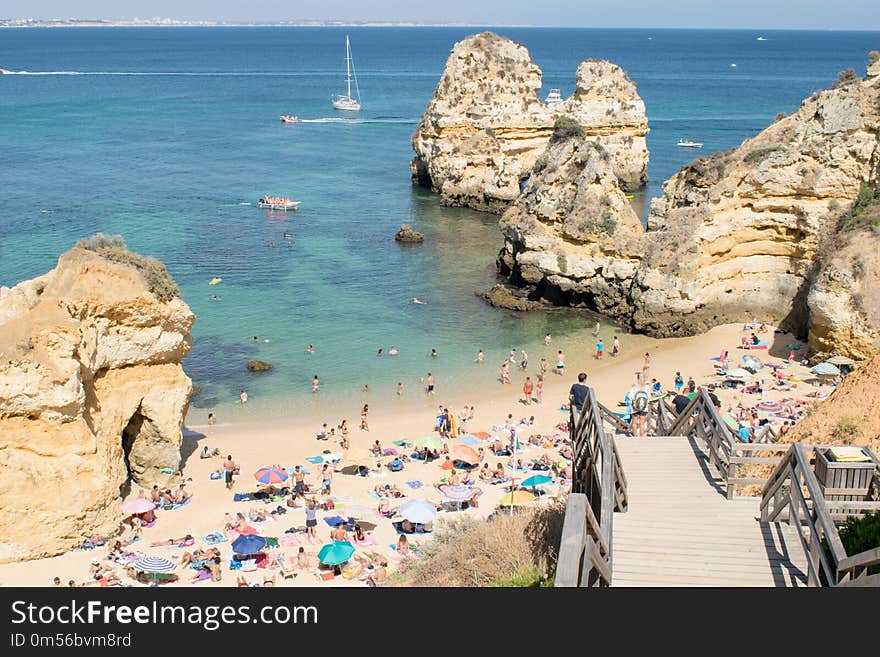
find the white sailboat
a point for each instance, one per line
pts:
(346, 102)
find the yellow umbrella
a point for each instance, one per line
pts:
(516, 498)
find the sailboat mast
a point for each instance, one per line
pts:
(348, 65)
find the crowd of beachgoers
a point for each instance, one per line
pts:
(305, 504)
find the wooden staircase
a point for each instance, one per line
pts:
(680, 530)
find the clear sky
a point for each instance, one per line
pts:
(763, 14)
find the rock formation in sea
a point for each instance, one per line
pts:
(485, 126)
(408, 235)
(92, 395)
(764, 229)
(257, 365)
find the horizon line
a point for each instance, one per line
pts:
(160, 22)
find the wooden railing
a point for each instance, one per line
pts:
(598, 490)
(701, 420)
(794, 486)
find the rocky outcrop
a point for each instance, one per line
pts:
(257, 365)
(503, 297)
(485, 126)
(92, 394)
(735, 235)
(408, 235)
(844, 298)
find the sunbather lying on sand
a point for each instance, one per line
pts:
(184, 541)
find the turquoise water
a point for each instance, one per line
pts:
(168, 136)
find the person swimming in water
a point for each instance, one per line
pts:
(214, 297)
(418, 301)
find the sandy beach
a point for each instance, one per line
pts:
(290, 441)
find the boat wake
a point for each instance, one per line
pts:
(337, 119)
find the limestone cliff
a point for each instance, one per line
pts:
(736, 234)
(92, 392)
(485, 126)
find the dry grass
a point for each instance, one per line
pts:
(112, 247)
(471, 553)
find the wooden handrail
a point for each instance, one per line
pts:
(810, 515)
(598, 490)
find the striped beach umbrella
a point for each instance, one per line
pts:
(769, 406)
(841, 360)
(154, 565)
(738, 373)
(458, 493)
(271, 476)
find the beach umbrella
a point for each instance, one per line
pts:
(469, 440)
(536, 480)
(841, 360)
(458, 493)
(154, 566)
(248, 544)
(738, 373)
(336, 553)
(482, 435)
(431, 442)
(769, 406)
(418, 511)
(137, 505)
(465, 454)
(826, 369)
(516, 498)
(271, 476)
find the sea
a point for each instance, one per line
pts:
(169, 136)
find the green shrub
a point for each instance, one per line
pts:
(865, 212)
(873, 57)
(858, 534)
(595, 225)
(846, 430)
(845, 77)
(525, 578)
(858, 267)
(566, 127)
(156, 276)
(760, 154)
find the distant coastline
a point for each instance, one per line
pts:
(170, 22)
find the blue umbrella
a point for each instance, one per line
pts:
(271, 476)
(418, 511)
(536, 480)
(248, 544)
(336, 553)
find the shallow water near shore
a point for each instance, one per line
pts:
(168, 137)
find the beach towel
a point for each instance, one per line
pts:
(375, 494)
(315, 460)
(242, 497)
(213, 538)
(174, 507)
(400, 443)
(334, 520)
(389, 451)
(510, 467)
(289, 540)
(216, 475)
(415, 484)
(272, 541)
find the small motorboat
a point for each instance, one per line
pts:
(5, 71)
(289, 118)
(687, 143)
(272, 204)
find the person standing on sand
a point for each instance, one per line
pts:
(528, 389)
(577, 395)
(615, 348)
(524, 363)
(547, 340)
(480, 357)
(539, 389)
(560, 363)
(544, 367)
(316, 384)
(430, 384)
(229, 468)
(243, 397)
(364, 411)
(646, 366)
(311, 520)
(596, 329)
(600, 348)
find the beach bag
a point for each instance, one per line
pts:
(640, 401)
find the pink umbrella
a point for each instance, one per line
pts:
(137, 505)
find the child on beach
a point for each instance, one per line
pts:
(524, 363)
(243, 397)
(600, 348)
(316, 384)
(505, 372)
(679, 382)
(364, 411)
(615, 347)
